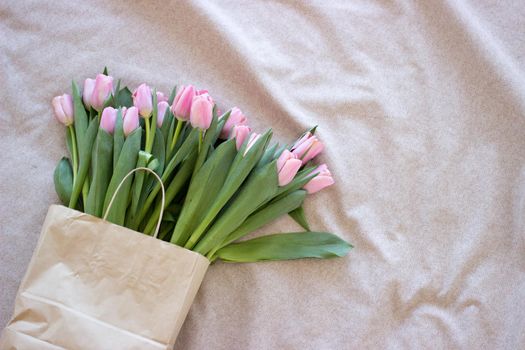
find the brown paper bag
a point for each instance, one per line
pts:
(95, 285)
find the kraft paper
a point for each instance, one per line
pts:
(95, 285)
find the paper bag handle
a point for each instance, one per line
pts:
(161, 188)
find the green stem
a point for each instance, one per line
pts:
(177, 133)
(148, 147)
(200, 140)
(85, 191)
(74, 151)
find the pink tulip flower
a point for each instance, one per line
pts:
(87, 92)
(143, 101)
(101, 91)
(205, 93)
(307, 147)
(201, 112)
(161, 97)
(251, 141)
(63, 106)
(321, 180)
(240, 133)
(162, 107)
(236, 118)
(287, 167)
(181, 106)
(108, 119)
(131, 120)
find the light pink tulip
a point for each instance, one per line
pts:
(307, 147)
(108, 119)
(240, 133)
(87, 92)
(205, 93)
(143, 101)
(161, 97)
(181, 106)
(131, 120)
(251, 141)
(63, 106)
(236, 118)
(287, 166)
(102, 90)
(201, 112)
(321, 180)
(162, 107)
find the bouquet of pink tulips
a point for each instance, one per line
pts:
(222, 180)
(97, 280)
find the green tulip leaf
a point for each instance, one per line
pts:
(118, 137)
(204, 187)
(172, 95)
(124, 98)
(286, 246)
(63, 179)
(242, 166)
(259, 188)
(136, 193)
(264, 216)
(102, 168)
(299, 217)
(85, 148)
(189, 144)
(180, 179)
(126, 162)
(209, 139)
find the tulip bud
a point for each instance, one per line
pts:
(321, 180)
(201, 112)
(108, 119)
(63, 106)
(251, 141)
(161, 97)
(204, 93)
(162, 107)
(87, 93)
(287, 167)
(236, 118)
(102, 90)
(143, 101)
(181, 106)
(307, 147)
(131, 120)
(240, 133)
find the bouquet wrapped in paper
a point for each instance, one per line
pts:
(155, 189)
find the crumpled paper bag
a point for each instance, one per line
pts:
(95, 285)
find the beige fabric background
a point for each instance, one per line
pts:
(422, 109)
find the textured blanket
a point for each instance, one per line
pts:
(421, 106)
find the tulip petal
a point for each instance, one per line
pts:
(288, 171)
